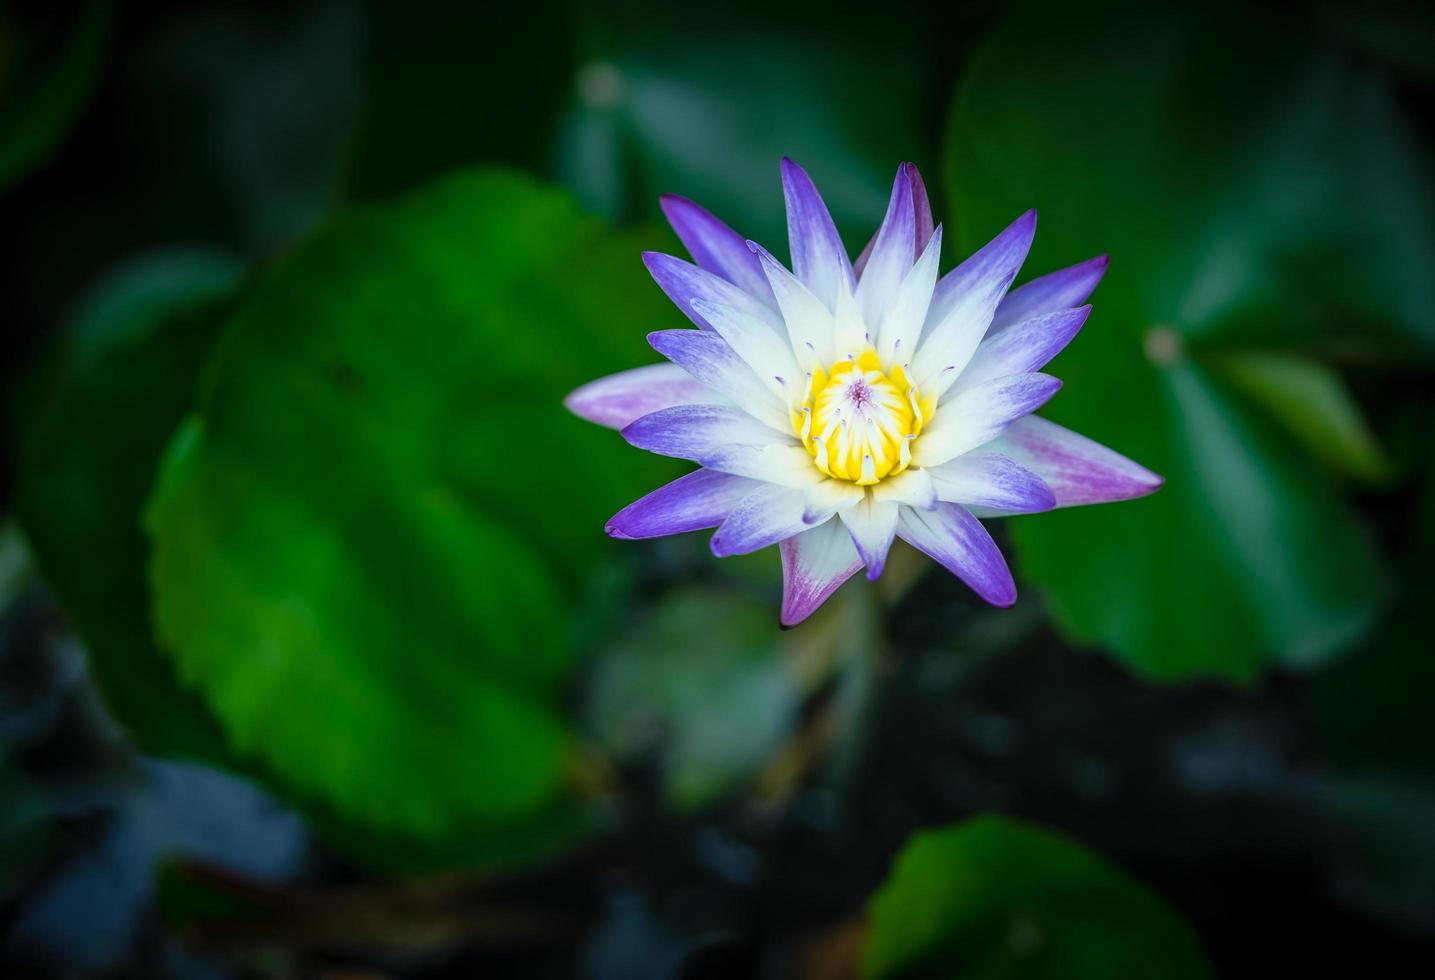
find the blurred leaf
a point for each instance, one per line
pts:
(994, 897)
(1248, 193)
(699, 683)
(367, 543)
(1315, 407)
(279, 93)
(448, 85)
(46, 80)
(139, 341)
(709, 117)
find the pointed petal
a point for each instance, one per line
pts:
(819, 259)
(766, 516)
(902, 325)
(849, 330)
(690, 503)
(767, 353)
(1026, 347)
(965, 300)
(979, 415)
(787, 466)
(912, 487)
(814, 564)
(956, 540)
(809, 322)
(1077, 469)
(716, 247)
(1060, 290)
(893, 253)
(921, 213)
(992, 482)
(620, 398)
(872, 524)
(709, 359)
(700, 432)
(828, 497)
(685, 283)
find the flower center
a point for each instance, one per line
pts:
(858, 421)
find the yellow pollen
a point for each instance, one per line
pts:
(858, 421)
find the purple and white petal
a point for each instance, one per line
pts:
(767, 353)
(1060, 290)
(809, 321)
(980, 414)
(1077, 469)
(956, 540)
(1026, 347)
(715, 247)
(707, 358)
(620, 398)
(921, 218)
(872, 524)
(686, 283)
(829, 497)
(786, 466)
(766, 516)
(964, 302)
(912, 487)
(819, 259)
(814, 564)
(700, 432)
(892, 256)
(993, 482)
(902, 326)
(695, 502)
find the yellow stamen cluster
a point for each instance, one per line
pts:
(858, 421)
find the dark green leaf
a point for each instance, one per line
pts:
(367, 543)
(994, 898)
(138, 345)
(1250, 195)
(46, 81)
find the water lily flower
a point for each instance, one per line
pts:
(839, 405)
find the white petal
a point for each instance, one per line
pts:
(765, 517)
(709, 359)
(829, 497)
(788, 466)
(760, 348)
(814, 564)
(809, 321)
(902, 325)
(912, 487)
(978, 415)
(872, 524)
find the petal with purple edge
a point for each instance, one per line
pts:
(1060, 290)
(980, 414)
(685, 283)
(912, 487)
(715, 247)
(810, 326)
(892, 256)
(1077, 469)
(999, 260)
(828, 497)
(872, 524)
(814, 564)
(819, 259)
(921, 218)
(700, 432)
(766, 516)
(992, 482)
(700, 500)
(956, 540)
(769, 355)
(1026, 347)
(902, 324)
(620, 398)
(709, 359)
